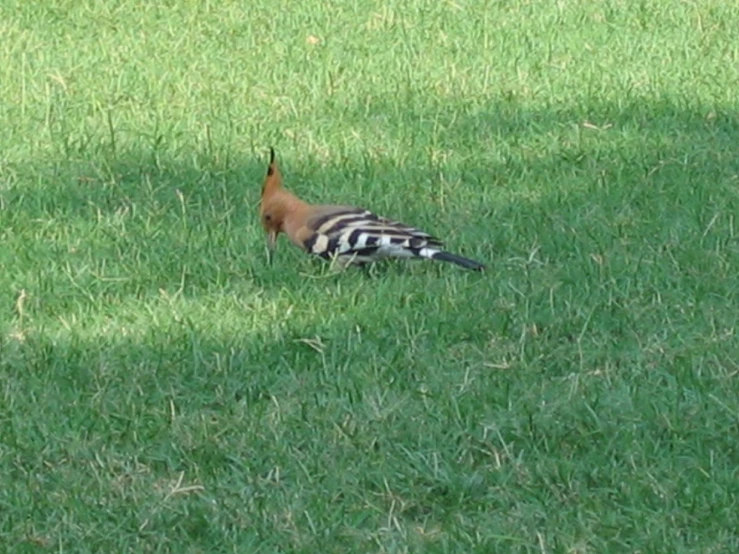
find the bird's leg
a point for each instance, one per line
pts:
(341, 263)
(344, 262)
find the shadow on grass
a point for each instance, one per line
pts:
(588, 372)
(642, 160)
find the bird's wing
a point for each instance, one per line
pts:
(348, 231)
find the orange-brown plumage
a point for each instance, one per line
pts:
(350, 234)
(280, 210)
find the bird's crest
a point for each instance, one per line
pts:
(273, 180)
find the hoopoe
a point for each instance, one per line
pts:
(352, 236)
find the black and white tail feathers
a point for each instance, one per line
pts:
(356, 236)
(444, 256)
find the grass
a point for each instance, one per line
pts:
(164, 390)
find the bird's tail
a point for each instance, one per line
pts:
(444, 256)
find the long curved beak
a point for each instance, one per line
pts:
(271, 244)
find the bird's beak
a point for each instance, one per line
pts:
(271, 243)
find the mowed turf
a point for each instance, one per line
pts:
(162, 389)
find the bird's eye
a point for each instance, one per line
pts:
(268, 217)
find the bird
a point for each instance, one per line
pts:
(352, 236)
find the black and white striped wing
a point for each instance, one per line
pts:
(357, 236)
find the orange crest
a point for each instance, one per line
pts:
(273, 180)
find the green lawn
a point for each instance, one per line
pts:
(163, 389)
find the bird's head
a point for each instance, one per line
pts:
(272, 208)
